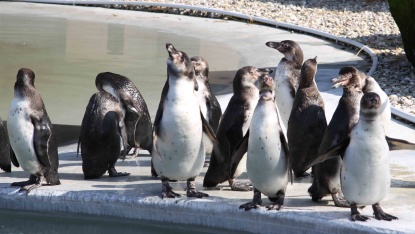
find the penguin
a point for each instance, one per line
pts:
(5, 161)
(370, 85)
(365, 175)
(307, 121)
(178, 152)
(30, 131)
(268, 159)
(137, 118)
(208, 103)
(103, 136)
(287, 76)
(326, 175)
(233, 126)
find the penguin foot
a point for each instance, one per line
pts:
(356, 215)
(251, 205)
(195, 193)
(167, 192)
(277, 202)
(274, 206)
(299, 175)
(113, 173)
(29, 188)
(380, 214)
(240, 186)
(32, 180)
(339, 200)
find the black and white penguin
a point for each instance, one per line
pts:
(326, 175)
(103, 136)
(365, 176)
(137, 118)
(268, 158)
(178, 151)
(5, 161)
(31, 134)
(209, 105)
(287, 76)
(233, 126)
(369, 85)
(307, 121)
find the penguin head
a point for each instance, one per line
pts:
(25, 76)
(370, 104)
(308, 72)
(247, 76)
(178, 63)
(200, 66)
(290, 49)
(349, 78)
(370, 85)
(266, 87)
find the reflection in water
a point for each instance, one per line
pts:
(26, 222)
(67, 54)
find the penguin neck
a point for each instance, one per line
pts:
(22, 90)
(247, 89)
(297, 59)
(306, 83)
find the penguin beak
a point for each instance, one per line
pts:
(273, 44)
(340, 81)
(171, 50)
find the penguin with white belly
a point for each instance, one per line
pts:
(307, 121)
(178, 151)
(5, 161)
(268, 158)
(365, 155)
(326, 175)
(103, 136)
(31, 134)
(287, 76)
(233, 126)
(209, 105)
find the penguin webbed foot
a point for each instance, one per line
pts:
(339, 200)
(167, 190)
(29, 188)
(254, 204)
(356, 216)
(114, 173)
(238, 186)
(380, 214)
(277, 202)
(191, 190)
(29, 185)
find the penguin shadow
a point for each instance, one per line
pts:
(402, 184)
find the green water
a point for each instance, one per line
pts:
(67, 54)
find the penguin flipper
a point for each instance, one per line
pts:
(284, 147)
(160, 109)
(215, 112)
(398, 144)
(131, 120)
(41, 137)
(240, 149)
(337, 150)
(13, 158)
(207, 128)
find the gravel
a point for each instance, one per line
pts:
(366, 21)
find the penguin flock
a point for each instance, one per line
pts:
(274, 129)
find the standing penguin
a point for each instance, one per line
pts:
(233, 126)
(287, 76)
(307, 121)
(365, 176)
(209, 105)
(326, 175)
(5, 161)
(137, 118)
(103, 135)
(31, 134)
(268, 159)
(178, 151)
(369, 85)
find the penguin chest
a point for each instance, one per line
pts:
(365, 176)
(180, 153)
(283, 92)
(267, 164)
(21, 131)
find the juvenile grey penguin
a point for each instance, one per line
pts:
(178, 151)
(103, 136)
(369, 85)
(5, 161)
(233, 126)
(365, 176)
(326, 175)
(137, 118)
(287, 76)
(268, 158)
(31, 134)
(307, 121)
(209, 105)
